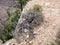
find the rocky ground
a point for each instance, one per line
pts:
(48, 33)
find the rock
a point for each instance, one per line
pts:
(11, 42)
(47, 32)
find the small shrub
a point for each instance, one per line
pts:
(21, 4)
(12, 19)
(34, 15)
(32, 19)
(10, 25)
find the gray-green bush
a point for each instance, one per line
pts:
(10, 25)
(12, 19)
(32, 18)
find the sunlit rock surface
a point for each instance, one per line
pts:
(11, 42)
(48, 33)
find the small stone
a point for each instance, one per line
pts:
(25, 30)
(27, 36)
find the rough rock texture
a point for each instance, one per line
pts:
(11, 42)
(48, 31)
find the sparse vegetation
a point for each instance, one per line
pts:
(11, 22)
(21, 4)
(10, 25)
(33, 18)
(34, 15)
